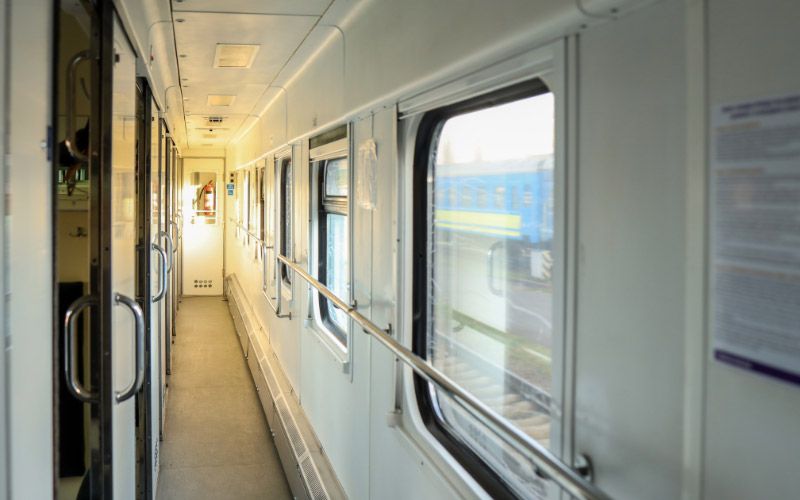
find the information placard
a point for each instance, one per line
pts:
(755, 235)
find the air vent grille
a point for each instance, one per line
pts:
(203, 283)
(292, 432)
(215, 120)
(313, 482)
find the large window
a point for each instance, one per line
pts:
(484, 245)
(333, 250)
(330, 210)
(283, 174)
(260, 231)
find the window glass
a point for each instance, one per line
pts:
(245, 215)
(286, 214)
(490, 297)
(336, 272)
(334, 249)
(261, 226)
(500, 197)
(336, 179)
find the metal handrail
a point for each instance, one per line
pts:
(548, 465)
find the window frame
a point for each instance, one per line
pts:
(423, 196)
(337, 339)
(283, 213)
(336, 205)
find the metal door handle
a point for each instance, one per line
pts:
(171, 250)
(138, 316)
(83, 55)
(73, 384)
(490, 267)
(163, 271)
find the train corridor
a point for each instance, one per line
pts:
(216, 439)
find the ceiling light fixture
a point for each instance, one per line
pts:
(230, 55)
(220, 100)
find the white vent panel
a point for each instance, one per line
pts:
(235, 56)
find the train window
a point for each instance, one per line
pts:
(466, 196)
(245, 206)
(283, 167)
(482, 198)
(451, 196)
(333, 242)
(515, 201)
(527, 196)
(260, 213)
(485, 278)
(500, 197)
(254, 201)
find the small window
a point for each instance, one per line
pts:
(283, 168)
(333, 230)
(466, 196)
(245, 206)
(487, 298)
(451, 197)
(482, 199)
(500, 197)
(515, 201)
(260, 207)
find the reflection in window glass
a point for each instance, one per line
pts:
(490, 277)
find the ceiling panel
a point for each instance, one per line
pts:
(196, 37)
(196, 98)
(283, 7)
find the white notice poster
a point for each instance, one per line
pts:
(755, 235)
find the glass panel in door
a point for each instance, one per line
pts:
(122, 239)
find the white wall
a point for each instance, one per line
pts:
(631, 216)
(4, 490)
(752, 423)
(653, 411)
(28, 226)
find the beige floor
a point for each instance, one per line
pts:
(216, 440)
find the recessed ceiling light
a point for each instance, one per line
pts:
(183, 55)
(220, 100)
(230, 55)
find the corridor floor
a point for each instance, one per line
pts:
(216, 440)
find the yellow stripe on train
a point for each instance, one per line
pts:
(485, 222)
